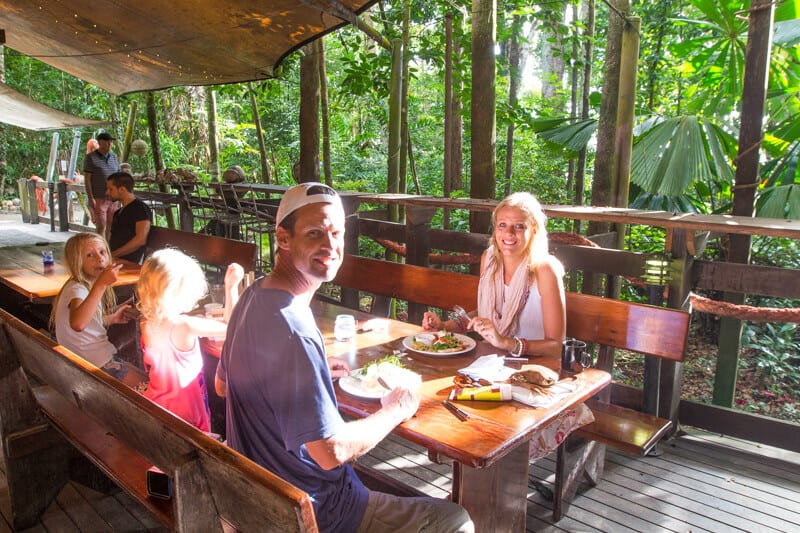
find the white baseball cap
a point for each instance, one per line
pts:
(305, 194)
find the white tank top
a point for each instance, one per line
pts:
(530, 325)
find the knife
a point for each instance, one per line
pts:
(461, 415)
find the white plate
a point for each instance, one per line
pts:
(465, 341)
(354, 386)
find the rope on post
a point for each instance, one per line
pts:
(743, 312)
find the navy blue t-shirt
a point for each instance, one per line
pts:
(280, 396)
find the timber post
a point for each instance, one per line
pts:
(418, 246)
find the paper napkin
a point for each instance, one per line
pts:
(544, 400)
(489, 367)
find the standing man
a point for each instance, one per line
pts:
(131, 222)
(98, 165)
(281, 407)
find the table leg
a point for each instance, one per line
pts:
(496, 497)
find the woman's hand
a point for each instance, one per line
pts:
(432, 322)
(485, 327)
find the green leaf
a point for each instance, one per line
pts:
(780, 202)
(574, 136)
(674, 153)
(787, 33)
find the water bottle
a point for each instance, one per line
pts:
(344, 328)
(47, 259)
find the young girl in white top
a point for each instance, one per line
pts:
(86, 305)
(170, 285)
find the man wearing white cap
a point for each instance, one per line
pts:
(281, 405)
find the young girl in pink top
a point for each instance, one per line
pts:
(170, 285)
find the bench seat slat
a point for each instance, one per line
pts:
(625, 429)
(119, 462)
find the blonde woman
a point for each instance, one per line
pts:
(521, 302)
(521, 305)
(170, 285)
(85, 306)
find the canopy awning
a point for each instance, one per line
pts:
(151, 44)
(19, 110)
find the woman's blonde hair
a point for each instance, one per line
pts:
(73, 260)
(536, 249)
(171, 283)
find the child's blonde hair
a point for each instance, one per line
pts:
(73, 260)
(170, 283)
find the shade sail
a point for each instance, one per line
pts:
(124, 46)
(19, 110)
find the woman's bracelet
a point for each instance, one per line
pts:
(518, 347)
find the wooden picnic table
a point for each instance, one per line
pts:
(489, 451)
(21, 269)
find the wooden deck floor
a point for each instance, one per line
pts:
(700, 483)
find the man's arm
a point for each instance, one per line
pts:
(360, 436)
(138, 240)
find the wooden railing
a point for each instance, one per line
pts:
(684, 235)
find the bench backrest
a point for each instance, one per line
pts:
(646, 329)
(422, 285)
(207, 249)
(210, 480)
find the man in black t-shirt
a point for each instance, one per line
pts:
(131, 222)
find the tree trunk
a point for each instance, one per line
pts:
(3, 134)
(262, 148)
(395, 128)
(573, 96)
(483, 119)
(447, 175)
(457, 169)
(588, 39)
(155, 144)
(605, 158)
(127, 139)
(405, 145)
(759, 43)
(152, 129)
(309, 113)
(652, 68)
(326, 127)
(112, 111)
(213, 142)
(169, 123)
(626, 110)
(552, 55)
(513, 87)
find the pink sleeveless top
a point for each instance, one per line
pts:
(176, 382)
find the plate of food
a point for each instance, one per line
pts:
(368, 382)
(440, 344)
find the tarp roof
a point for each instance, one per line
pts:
(19, 110)
(140, 45)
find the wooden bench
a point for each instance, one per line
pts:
(653, 331)
(207, 249)
(52, 403)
